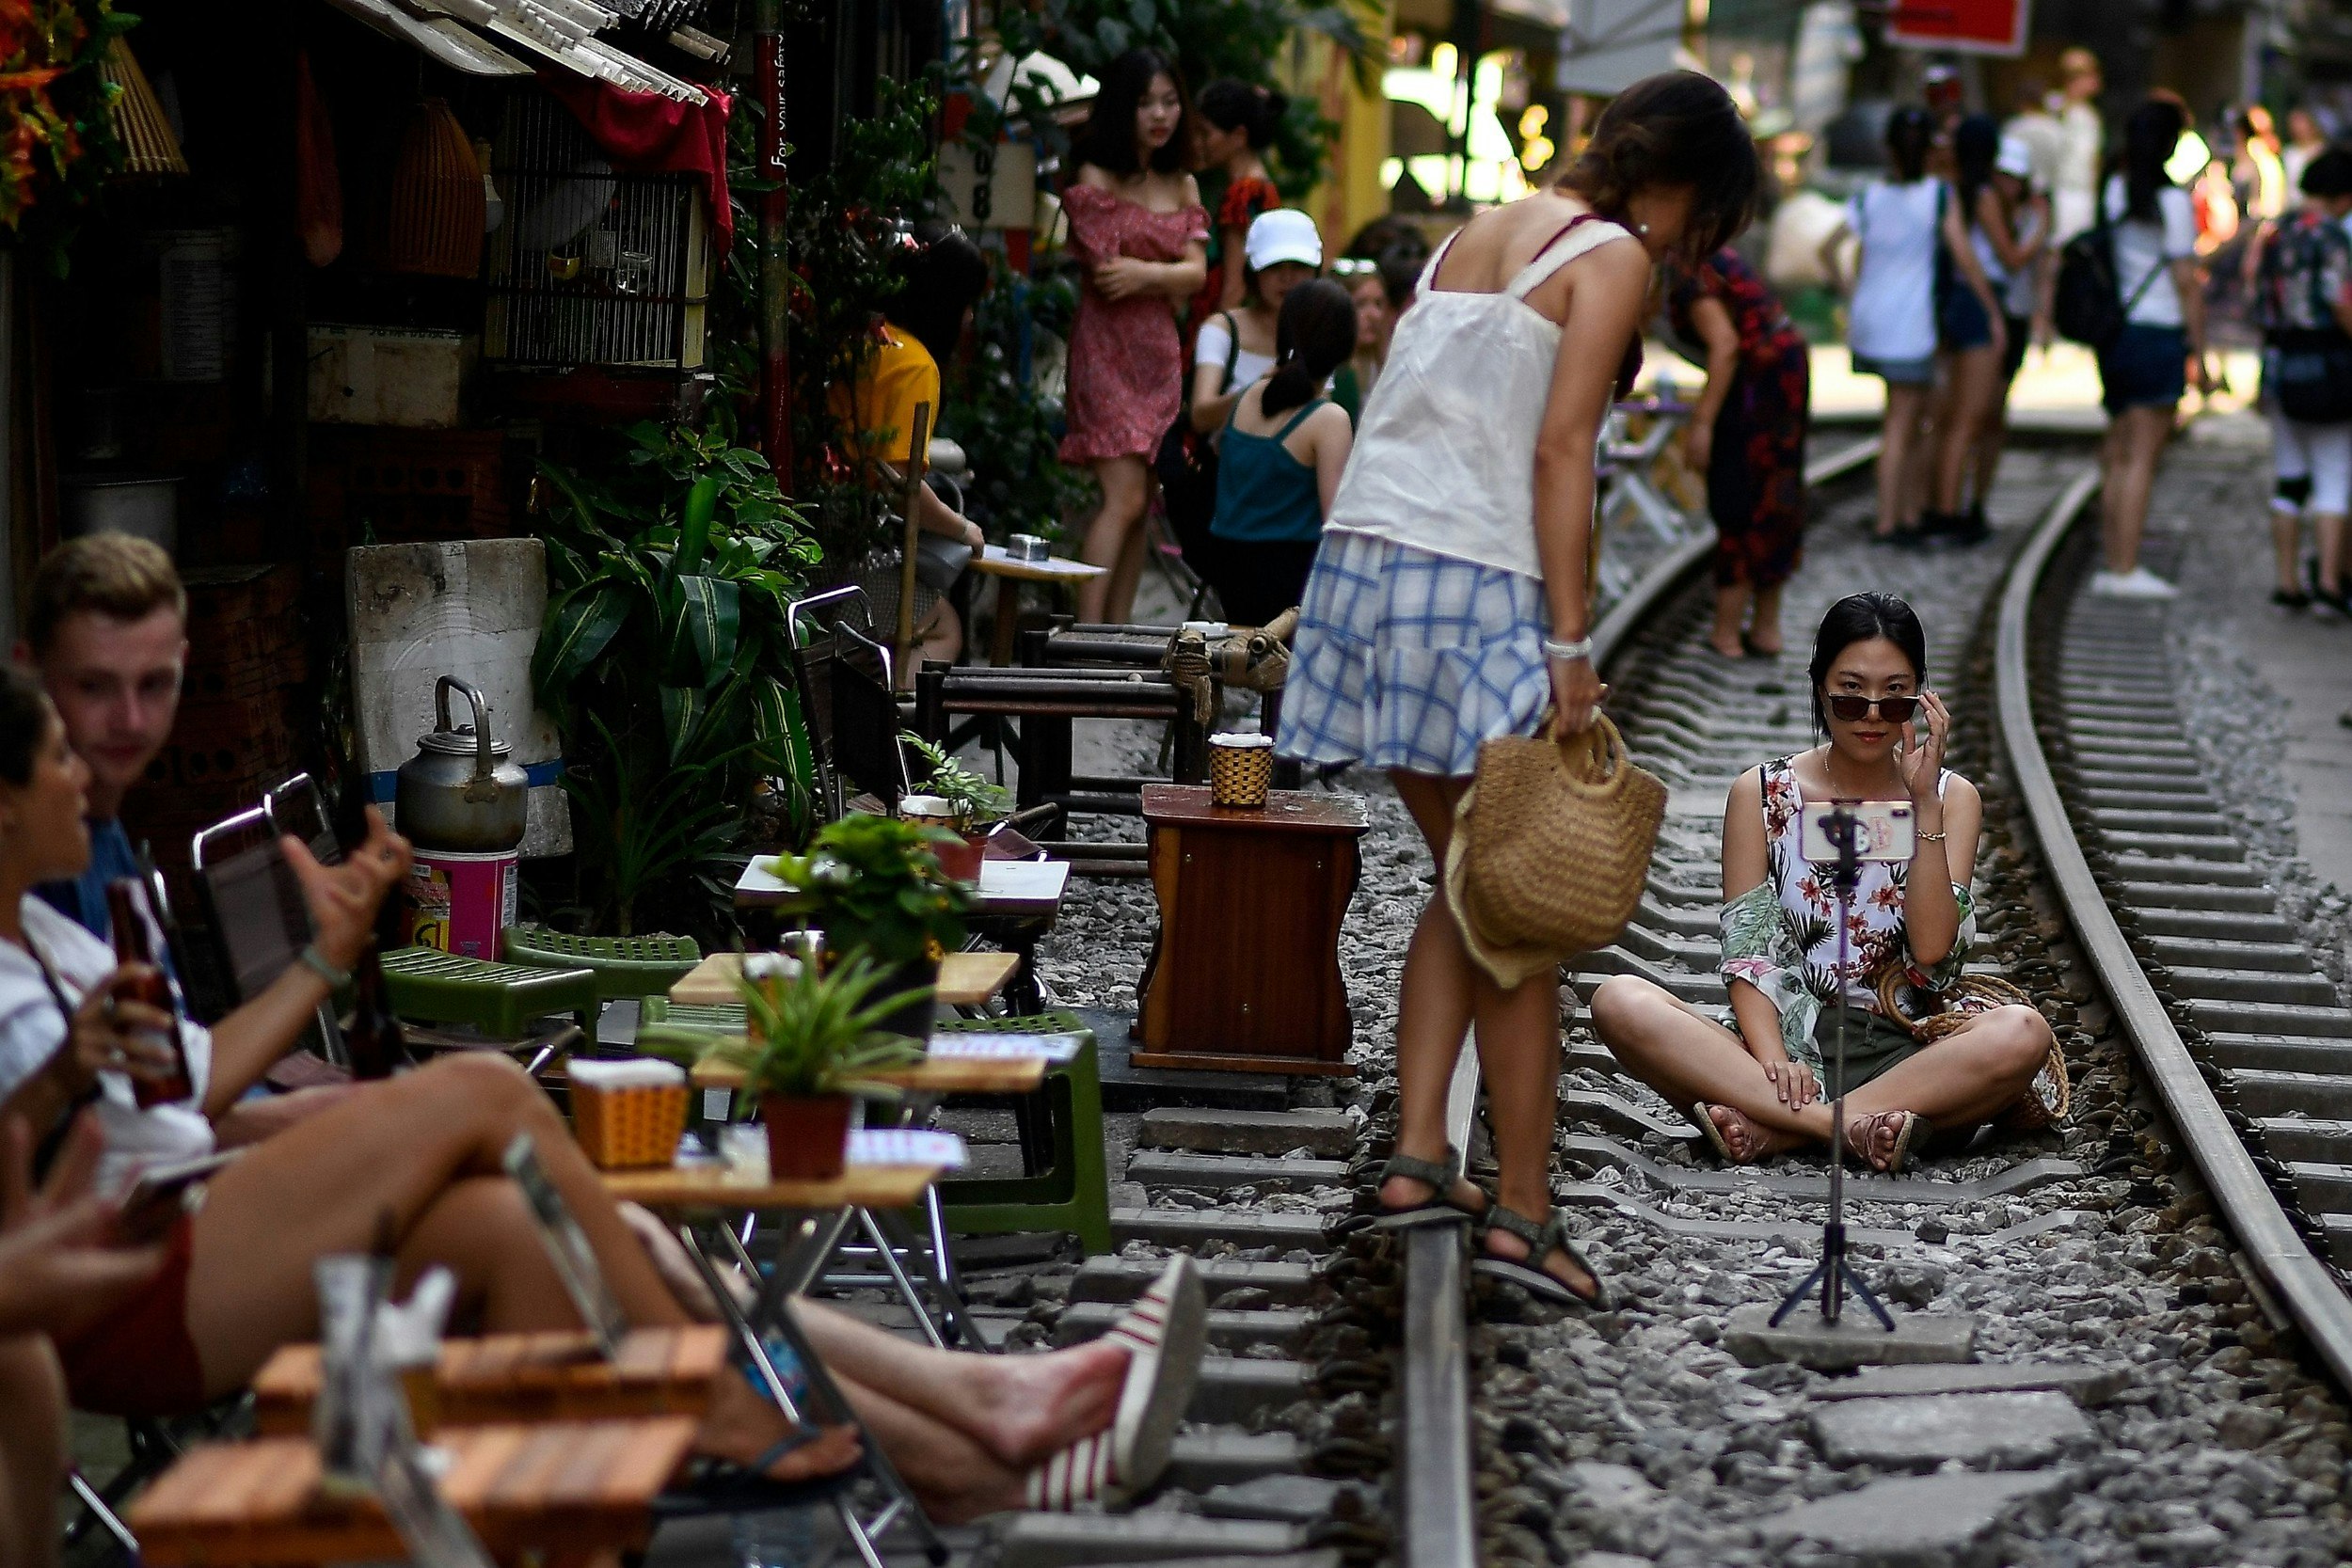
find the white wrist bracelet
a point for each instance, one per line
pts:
(1581, 648)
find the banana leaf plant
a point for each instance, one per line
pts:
(665, 659)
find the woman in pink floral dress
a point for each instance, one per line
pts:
(1137, 229)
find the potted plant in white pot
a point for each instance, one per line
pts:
(975, 804)
(876, 888)
(812, 1042)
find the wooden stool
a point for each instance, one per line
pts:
(1245, 974)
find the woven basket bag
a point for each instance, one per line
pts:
(2051, 1094)
(1559, 839)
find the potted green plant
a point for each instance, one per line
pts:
(977, 805)
(812, 1042)
(875, 887)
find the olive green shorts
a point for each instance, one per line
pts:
(1873, 1046)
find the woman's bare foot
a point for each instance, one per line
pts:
(1558, 1265)
(742, 1427)
(1747, 1139)
(1405, 1192)
(1033, 1406)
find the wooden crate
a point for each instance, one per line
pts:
(528, 1377)
(563, 1492)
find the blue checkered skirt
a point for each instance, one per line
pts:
(1405, 660)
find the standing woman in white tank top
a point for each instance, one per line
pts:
(1447, 602)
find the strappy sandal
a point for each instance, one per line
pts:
(1714, 1134)
(1542, 1240)
(1861, 1133)
(1439, 1207)
(1164, 1333)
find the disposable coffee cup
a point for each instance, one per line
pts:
(927, 811)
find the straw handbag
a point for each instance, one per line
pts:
(1551, 846)
(2051, 1094)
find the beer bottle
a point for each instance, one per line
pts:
(131, 947)
(373, 1036)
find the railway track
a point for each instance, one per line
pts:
(2139, 1297)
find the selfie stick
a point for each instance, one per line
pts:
(1832, 1273)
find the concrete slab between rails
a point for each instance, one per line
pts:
(2222, 924)
(1231, 1389)
(1192, 1228)
(2085, 1384)
(2262, 1092)
(2196, 898)
(1201, 1460)
(1120, 1279)
(2213, 949)
(1592, 1108)
(1799, 1229)
(2312, 1139)
(2310, 988)
(1328, 1135)
(2009, 1431)
(1290, 1500)
(1282, 1325)
(1811, 1188)
(2184, 870)
(2272, 1018)
(1156, 1535)
(1217, 1173)
(2279, 1053)
(1914, 1521)
(2194, 847)
(1855, 1340)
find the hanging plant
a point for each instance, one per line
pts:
(57, 143)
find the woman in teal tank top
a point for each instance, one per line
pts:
(1278, 460)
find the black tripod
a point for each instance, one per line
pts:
(1833, 1274)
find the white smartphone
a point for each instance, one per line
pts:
(1883, 829)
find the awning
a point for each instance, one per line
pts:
(504, 38)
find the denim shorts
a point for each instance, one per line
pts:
(1898, 372)
(2146, 367)
(1962, 325)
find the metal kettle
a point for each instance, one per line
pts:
(459, 792)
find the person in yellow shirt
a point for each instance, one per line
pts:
(944, 276)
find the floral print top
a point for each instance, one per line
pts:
(1765, 331)
(1781, 935)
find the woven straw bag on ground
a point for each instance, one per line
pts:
(1550, 848)
(2051, 1094)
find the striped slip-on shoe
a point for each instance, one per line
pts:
(1164, 1333)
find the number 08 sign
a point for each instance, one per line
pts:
(1978, 27)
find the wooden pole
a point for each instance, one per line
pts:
(918, 453)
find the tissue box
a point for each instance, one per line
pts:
(628, 1114)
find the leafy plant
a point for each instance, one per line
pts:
(879, 890)
(59, 143)
(1018, 483)
(665, 657)
(976, 801)
(819, 1034)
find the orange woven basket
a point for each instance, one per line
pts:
(628, 1129)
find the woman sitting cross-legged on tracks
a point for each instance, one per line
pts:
(414, 1164)
(1764, 1088)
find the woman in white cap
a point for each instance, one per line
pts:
(1235, 347)
(1447, 602)
(2012, 239)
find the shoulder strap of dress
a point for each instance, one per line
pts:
(1436, 259)
(1560, 249)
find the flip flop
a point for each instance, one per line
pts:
(1542, 1240)
(1164, 1333)
(1914, 1128)
(1714, 1134)
(1438, 1208)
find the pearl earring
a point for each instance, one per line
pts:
(1640, 229)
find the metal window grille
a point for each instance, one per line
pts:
(592, 266)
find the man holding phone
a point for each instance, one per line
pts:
(106, 628)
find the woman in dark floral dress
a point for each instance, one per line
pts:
(1747, 435)
(1237, 125)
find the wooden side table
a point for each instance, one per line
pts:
(1245, 974)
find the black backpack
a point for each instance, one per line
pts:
(1186, 463)
(2088, 304)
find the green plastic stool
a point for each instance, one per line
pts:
(1073, 1192)
(433, 987)
(624, 966)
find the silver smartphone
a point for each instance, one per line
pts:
(1883, 829)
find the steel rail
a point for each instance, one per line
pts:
(2306, 1288)
(1436, 1494)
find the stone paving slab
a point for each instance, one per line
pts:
(1330, 1134)
(1855, 1340)
(1912, 1522)
(2011, 1430)
(2085, 1384)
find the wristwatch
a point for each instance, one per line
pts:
(1581, 648)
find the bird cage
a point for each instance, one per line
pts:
(592, 266)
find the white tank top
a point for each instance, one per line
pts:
(1444, 459)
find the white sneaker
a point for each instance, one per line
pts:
(2138, 583)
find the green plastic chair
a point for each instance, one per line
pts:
(429, 986)
(1073, 1192)
(624, 966)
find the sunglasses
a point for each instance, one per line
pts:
(1850, 708)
